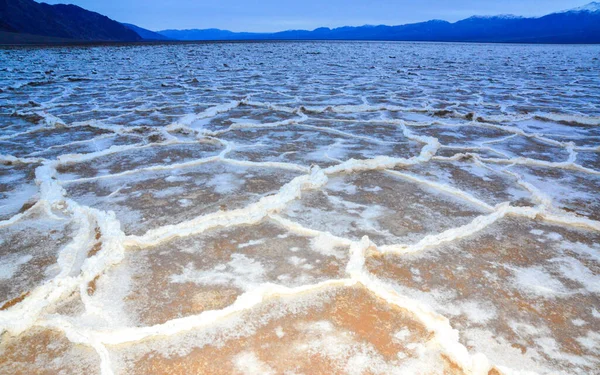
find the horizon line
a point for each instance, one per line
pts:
(511, 15)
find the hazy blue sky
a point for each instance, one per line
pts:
(276, 15)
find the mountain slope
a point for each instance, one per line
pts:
(145, 33)
(579, 25)
(60, 21)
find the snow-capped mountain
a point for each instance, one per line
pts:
(592, 7)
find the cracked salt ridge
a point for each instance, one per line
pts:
(126, 160)
(48, 349)
(535, 267)
(209, 271)
(333, 315)
(29, 254)
(158, 196)
(289, 192)
(444, 335)
(386, 208)
(34, 145)
(280, 326)
(104, 362)
(362, 167)
(307, 144)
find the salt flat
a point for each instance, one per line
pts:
(300, 208)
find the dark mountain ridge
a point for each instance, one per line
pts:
(61, 21)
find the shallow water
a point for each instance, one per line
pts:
(300, 208)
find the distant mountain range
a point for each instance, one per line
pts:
(579, 25)
(26, 21)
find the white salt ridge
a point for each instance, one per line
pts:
(251, 125)
(5, 159)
